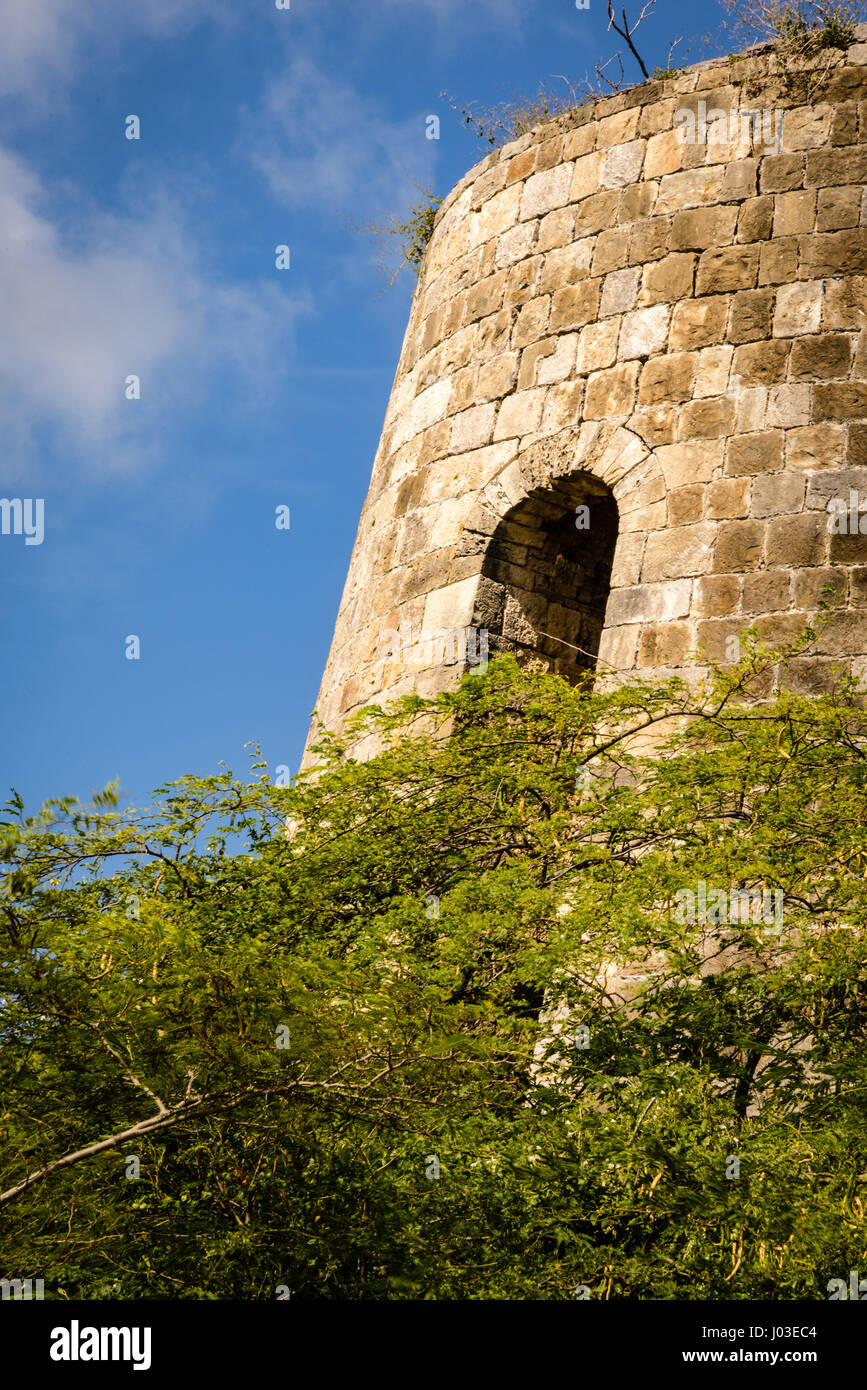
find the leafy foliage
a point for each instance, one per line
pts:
(797, 28)
(509, 120)
(428, 930)
(408, 238)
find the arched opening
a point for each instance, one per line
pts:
(547, 573)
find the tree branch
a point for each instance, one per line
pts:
(626, 33)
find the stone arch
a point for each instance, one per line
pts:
(545, 583)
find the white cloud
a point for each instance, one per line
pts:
(129, 299)
(320, 143)
(46, 41)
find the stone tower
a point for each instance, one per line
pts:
(630, 413)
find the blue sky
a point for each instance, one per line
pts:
(259, 387)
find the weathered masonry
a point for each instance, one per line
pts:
(656, 317)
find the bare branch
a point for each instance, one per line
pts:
(626, 33)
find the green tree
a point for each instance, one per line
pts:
(468, 956)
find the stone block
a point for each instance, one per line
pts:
(617, 647)
(649, 240)
(789, 405)
(810, 675)
(776, 493)
(713, 637)
(752, 407)
(795, 541)
(717, 595)
(555, 229)
(520, 414)
(691, 188)
(778, 261)
(712, 418)
(838, 208)
(781, 172)
(667, 280)
(622, 164)
(566, 266)
(450, 607)
(844, 635)
(619, 292)
(611, 392)
(795, 212)
(756, 218)
(739, 547)
(522, 282)
(667, 378)
(597, 212)
(635, 201)
(827, 356)
(829, 167)
(728, 499)
(701, 228)
(730, 268)
(563, 404)
(679, 551)
(550, 152)
(712, 371)
(464, 392)
(497, 215)
(664, 644)
(750, 315)
(497, 377)
(546, 190)
(611, 250)
(813, 447)
(486, 297)
(840, 401)
(531, 322)
(695, 461)
(761, 363)
(655, 424)
(685, 505)
(813, 587)
(579, 142)
(846, 303)
(798, 309)
(835, 485)
(648, 603)
(664, 154)
(516, 244)
(766, 591)
(699, 322)
(807, 127)
(574, 306)
(521, 166)
(833, 253)
(617, 129)
(644, 331)
(493, 335)
(597, 345)
(627, 559)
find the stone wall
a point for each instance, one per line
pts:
(609, 309)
